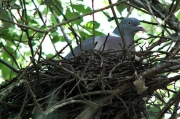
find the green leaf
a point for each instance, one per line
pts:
(98, 33)
(55, 39)
(154, 109)
(70, 15)
(81, 8)
(61, 38)
(89, 25)
(58, 13)
(9, 34)
(14, 5)
(4, 14)
(121, 8)
(178, 15)
(53, 19)
(6, 71)
(50, 3)
(49, 56)
(84, 35)
(9, 48)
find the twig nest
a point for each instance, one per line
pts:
(139, 83)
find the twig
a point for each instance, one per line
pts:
(34, 97)
(122, 37)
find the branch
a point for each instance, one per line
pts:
(8, 65)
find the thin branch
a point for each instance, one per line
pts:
(8, 65)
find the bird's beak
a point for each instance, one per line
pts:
(141, 28)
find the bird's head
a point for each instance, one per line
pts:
(129, 26)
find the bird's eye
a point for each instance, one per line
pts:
(128, 22)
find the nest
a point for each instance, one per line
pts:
(93, 85)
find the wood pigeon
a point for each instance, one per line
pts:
(129, 27)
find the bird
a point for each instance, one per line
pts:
(129, 27)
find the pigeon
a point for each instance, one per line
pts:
(129, 27)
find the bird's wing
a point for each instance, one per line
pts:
(85, 46)
(103, 43)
